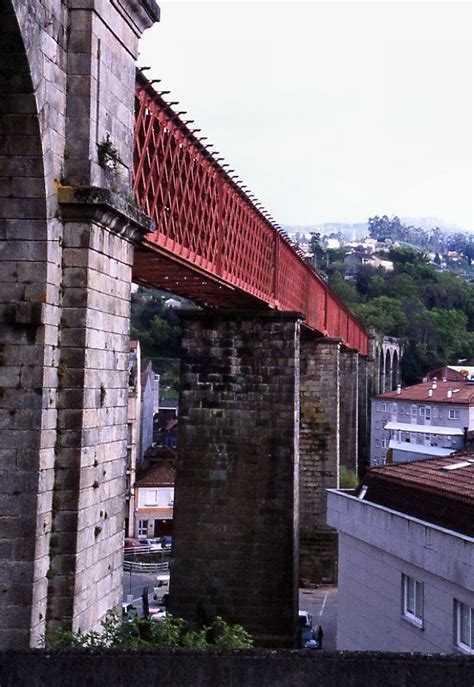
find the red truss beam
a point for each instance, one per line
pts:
(211, 243)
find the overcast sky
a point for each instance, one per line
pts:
(329, 111)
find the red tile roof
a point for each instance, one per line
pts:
(160, 476)
(462, 393)
(426, 491)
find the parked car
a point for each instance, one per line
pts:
(305, 618)
(152, 544)
(161, 588)
(166, 541)
(131, 543)
(308, 640)
(158, 615)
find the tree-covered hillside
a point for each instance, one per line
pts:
(156, 326)
(433, 312)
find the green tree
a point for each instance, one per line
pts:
(383, 313)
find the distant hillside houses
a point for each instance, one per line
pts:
(359, 257)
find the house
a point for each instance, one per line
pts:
(406, 558)
(148, 403)
(142, 400)
(353, 260)
(154, 500)
(453, 373)
(133, 431)
(160, 455)
(165, 427)
(416, 422)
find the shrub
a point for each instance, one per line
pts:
(142, 632)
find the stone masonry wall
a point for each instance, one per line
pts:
(32, 100)
(320, 427)
(88, 508)
(236, 498)
(364, 374)
(349, 380)
(49, 51)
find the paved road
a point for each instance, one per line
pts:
(133, 584)
(322, 604)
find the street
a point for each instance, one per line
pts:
(133, 584)
(321, 603)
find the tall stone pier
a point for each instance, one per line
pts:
(235, 550)
(66, 143)
(349, 396)
(319, 452)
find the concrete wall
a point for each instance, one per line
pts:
(377, 546)
(175, 668)
(235, 548)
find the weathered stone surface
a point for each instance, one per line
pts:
(319, 447)
(349, 394)
(236, 503)
(64, 286)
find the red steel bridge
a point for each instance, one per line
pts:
(213, 242)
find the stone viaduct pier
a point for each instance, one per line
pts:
(275, 376)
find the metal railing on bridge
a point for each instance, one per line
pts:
(213, 242)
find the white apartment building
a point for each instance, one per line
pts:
(417, 422)
(406, 558)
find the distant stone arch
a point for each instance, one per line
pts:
(395, 370)
(388, 371)
(381, 388)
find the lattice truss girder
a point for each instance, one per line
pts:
(212, 244)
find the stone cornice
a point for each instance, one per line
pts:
(89, 203)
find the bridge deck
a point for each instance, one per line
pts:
(212, 242)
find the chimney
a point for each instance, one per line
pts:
(430, 392)
(435, 383)
(450, 393)
(399, 388)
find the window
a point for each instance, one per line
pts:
(428, 413)
(377, 443)
(422, 411)
(454, 414)
(384, 407)
(413, 410)
(384, 443)
(151, 497)
(377, 424)
(142, 528)
(394, 407)
(463, 625)
(412, 600)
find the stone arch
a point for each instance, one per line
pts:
(381, 372)
(388, 370)
(23, 292)
(395, 370)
